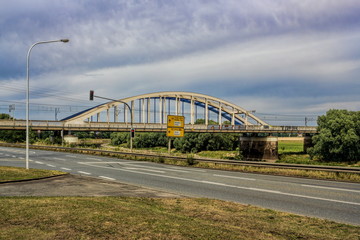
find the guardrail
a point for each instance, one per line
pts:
(335, 169)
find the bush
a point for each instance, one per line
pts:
(196, 142)
(338, 138)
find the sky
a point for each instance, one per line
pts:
(281, 58)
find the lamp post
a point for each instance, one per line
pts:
(28, 94)
(132, 131)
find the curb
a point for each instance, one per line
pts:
(33, 179)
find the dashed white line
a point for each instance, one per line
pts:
(39, 162)
(86, 173)
(61, 159)
(144, 169)
(50, 165)
(331, 188)
(96, 159)
(241, 178)
(107, 178)
(226, 185)
(67, 169)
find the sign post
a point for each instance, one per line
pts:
(175, 128)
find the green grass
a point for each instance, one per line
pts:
(219, 154)
(290, 147)
(145, 218)
(16, 173)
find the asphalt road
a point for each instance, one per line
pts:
(331, 200)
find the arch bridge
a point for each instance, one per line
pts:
(153, 108)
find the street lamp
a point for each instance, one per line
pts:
(132, 131)
(28, 94)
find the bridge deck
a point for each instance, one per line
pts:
(152, 127)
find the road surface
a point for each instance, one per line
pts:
(332, 200)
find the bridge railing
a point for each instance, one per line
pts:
(109, 126)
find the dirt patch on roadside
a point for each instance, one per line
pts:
(74, 185)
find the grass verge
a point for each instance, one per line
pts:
(323, 175)
(17, 173)
(142, 218)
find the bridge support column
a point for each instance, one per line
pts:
(220, 116)
(126, 114)
(259, 148)
(116, 114)
(307, 142)
(160, 110)
(132, 111)
(192, 110)
(206, 112)
(148, 111)
(143, 110)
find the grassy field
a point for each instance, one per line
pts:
(16, 173)
(142, 218)
(290, 146)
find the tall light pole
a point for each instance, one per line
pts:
(28, 94)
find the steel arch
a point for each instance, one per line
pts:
(228, 110)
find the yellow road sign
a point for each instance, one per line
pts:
(175, 132)
(175, 121)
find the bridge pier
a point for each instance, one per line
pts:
(307, 142)
(259, 147)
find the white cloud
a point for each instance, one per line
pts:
(125, 48)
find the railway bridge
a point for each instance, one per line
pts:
(148, 113)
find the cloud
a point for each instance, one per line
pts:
(285, 51)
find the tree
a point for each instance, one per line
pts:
(4, 116)
(338, 138)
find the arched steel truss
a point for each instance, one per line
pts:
(224, 109)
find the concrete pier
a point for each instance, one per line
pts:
(259, 148)
(307, 142)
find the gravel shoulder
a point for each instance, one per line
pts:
(75, 185)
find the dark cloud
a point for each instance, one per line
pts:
(127, 33)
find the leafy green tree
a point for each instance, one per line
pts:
(148, 140)
(196, 142)
(202, 121)
(338, 138)
(118, 138)
(4, 116)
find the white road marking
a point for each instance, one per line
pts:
(23, 158)
(226, 185)
(242, 178)
(144, 169)
(96, 159)
(71, 156)
(39, 162)
(61, 159)
(50, 165)
(108, 178)
(331, 188)
(67, 169)
(86, 173)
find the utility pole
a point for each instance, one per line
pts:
(12, 109)
(57, 110)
